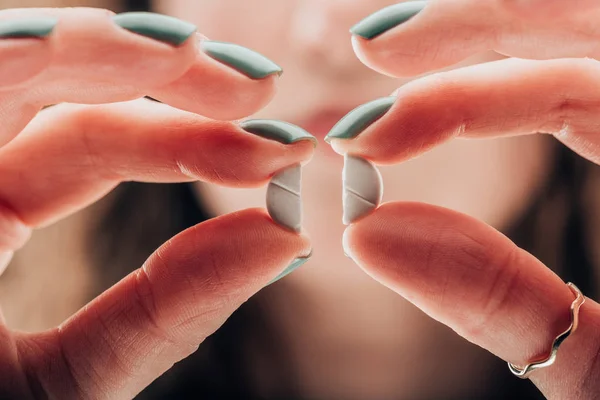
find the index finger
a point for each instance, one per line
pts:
(70, 156)
(502, 98)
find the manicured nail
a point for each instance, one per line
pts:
(362, 188)
(284, 198)
(248, 62)
(27, 28)
(387, 18)
(292, 267)
(360, 119)
(156, 26)
(279, 131)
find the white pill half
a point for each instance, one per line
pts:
(284, 202)
(362, 188)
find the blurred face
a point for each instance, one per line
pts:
(339, 310)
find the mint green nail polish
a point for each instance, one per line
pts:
(291, 268)
(279, 131)
(360, 119)
(387, 18)
(156, 26)
(27, 28)
(248, 62)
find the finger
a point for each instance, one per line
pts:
(5, 258)
(14, 233)
(475, 280)
(159, 314)
(502, 98)
(414, 37)
(92, 56)
(551, 8)
(71, 155)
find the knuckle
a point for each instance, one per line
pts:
(495, 292)
(69, 372)
(147, 303)
(85, 122)
(488, 274)
(40, 355)
(202, 297)
(574, 101)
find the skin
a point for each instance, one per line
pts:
(317, 78)
(456, 268)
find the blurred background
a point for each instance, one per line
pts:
(348, 337)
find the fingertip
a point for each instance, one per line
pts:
(279, 131)
(347, 242)
(26, 44)
(147, 49)
(260, 156)
(14, 232)
(373, 57)
(241, 59)
(23, 60)
(384, 57)
(356, 236)
(304, 151)
(298, 243)
(218, 92)
(246, 243)
(340, 146)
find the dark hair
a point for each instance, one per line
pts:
(553, 229)
(137, 5)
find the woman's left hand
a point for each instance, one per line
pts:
(455, 268)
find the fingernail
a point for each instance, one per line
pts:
(284, 199)
(279, 131)
(248, 62)
(156, 26)
(27, 28)
(362, 188)
(387, 18)
(292, 267)
(360, 119)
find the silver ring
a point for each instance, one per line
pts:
(524, 372)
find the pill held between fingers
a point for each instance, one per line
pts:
(362, 188)
(284, 203)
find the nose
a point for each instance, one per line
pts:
(319, 34)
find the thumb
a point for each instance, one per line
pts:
(159, 314)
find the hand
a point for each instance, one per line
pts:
(68, 156)
(457, 269)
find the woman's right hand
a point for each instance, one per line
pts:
(59, 160)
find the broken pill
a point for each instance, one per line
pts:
(284, 203)
(362, 188)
